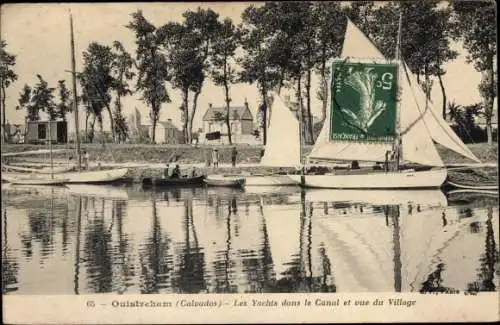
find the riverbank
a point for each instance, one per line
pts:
(188, 154)
(147, 160)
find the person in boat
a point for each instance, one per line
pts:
(215, 158)
(176, 173)
(234, 154)
(193, 172)
(354, 164)
(165, 171)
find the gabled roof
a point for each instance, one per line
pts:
(167, 124)
(235, 113)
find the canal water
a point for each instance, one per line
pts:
(100, 239)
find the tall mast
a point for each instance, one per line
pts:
(398, 141)
(75, 97)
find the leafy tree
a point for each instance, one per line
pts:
(42, 98)
(426, 29)
(185, 65)
(25, 103)
(65, 104)
(122, 65)
(93, 107)
(97, 68)
(152, 66)
(463, 122)
(330, 31)
(257, 66)
(189, 45)
(7, 77)
(475, 26)
(223, 72)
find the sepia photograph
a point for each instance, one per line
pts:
(247, 162)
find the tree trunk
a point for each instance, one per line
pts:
(444, 95)
(111, 123)
(120, 136)
(3, 111)
(264, 117)
(490, 100)
(155, 119)
(86, 126)
(185, 102)
(309, 113)
(228, 124)
(101, 129)
(92, 130)
(300, 108)
(325, 91)
(191, 115)
(228, 100)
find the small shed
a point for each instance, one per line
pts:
(166, 132)
(38, 131)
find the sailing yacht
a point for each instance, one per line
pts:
(377, 109)
(282, 149)
(96, 176)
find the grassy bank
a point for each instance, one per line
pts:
(185, 154)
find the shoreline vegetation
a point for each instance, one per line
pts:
(147, 160)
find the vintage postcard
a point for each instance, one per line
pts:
(249, 162)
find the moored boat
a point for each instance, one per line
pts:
(390, 180)
(171, 182)
(20, 179)
(54, 170)
(224, 181)
(283, 147)
(272, 180)
(96, 176)
(380, 113)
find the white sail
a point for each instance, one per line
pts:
(417, 142)
(283, 139)
(419, 123)
(355, 43)
(439, 129)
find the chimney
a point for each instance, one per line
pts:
(209, 105)
(246, 103)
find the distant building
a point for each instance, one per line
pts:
(166, 132)
(240, 120)
(38, 131)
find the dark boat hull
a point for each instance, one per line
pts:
(172, 182)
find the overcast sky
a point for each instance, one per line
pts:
(38, 34)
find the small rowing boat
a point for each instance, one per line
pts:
(224, 181)
(171, 182)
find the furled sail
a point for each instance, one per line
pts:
(283, 138)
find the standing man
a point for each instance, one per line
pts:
(234, 154)
(86, 159)
(215, 158)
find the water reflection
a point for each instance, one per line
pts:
(10, 267)
(210, 241)
(154, 258)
